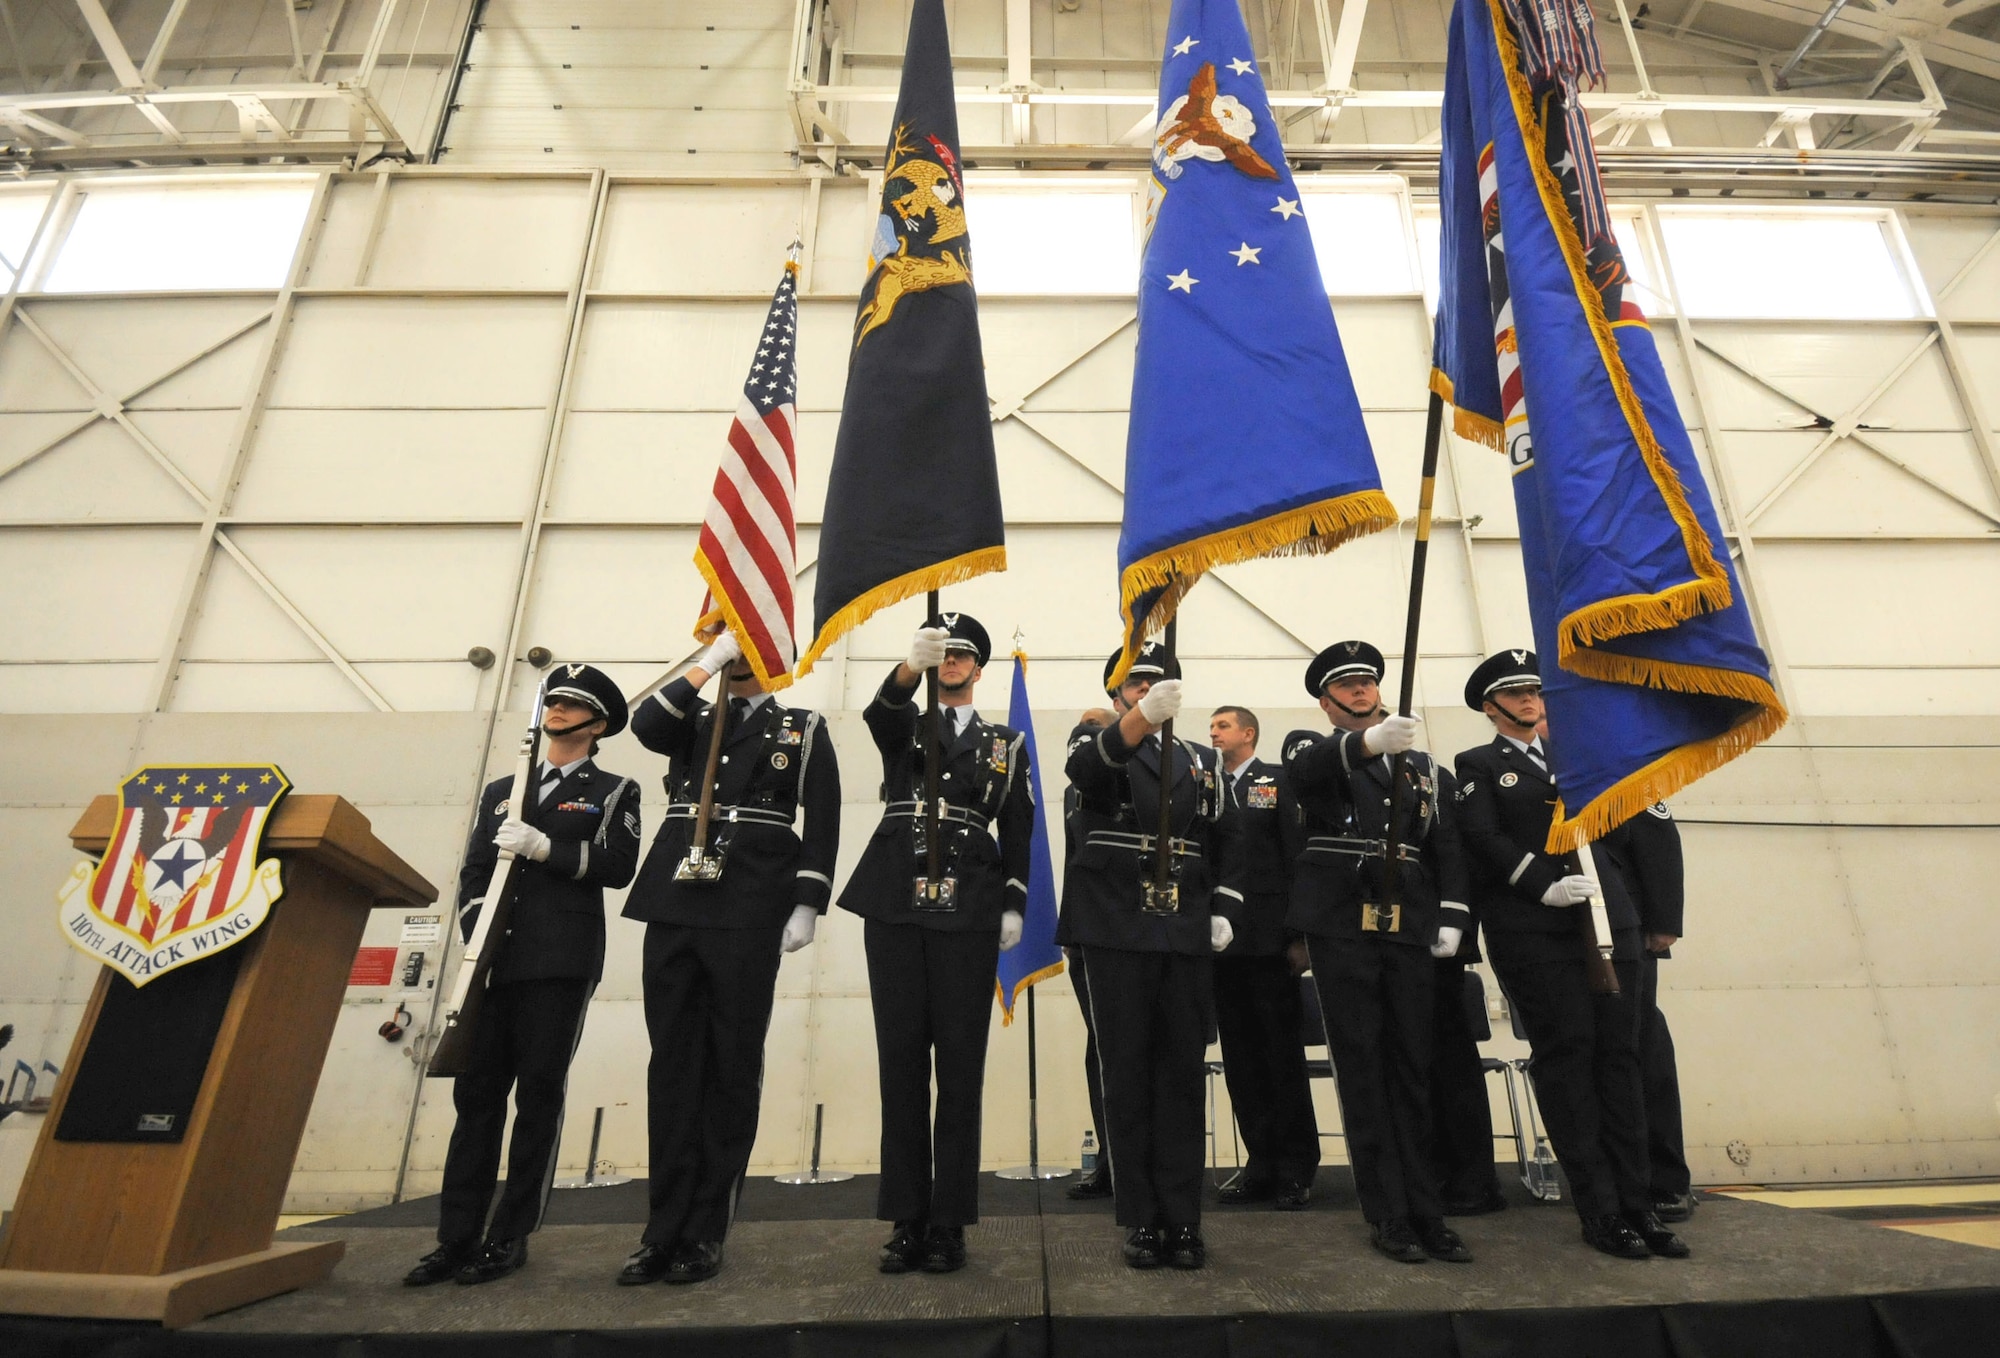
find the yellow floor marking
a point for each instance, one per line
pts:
(286, 1222)
(1985, 1233)
(1912, 1195)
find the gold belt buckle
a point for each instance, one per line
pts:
(1381, 919)
(699, 866)
(1160, 900)
(939, 898)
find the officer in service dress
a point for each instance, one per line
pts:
(932, 954)
(578, 835)
(1585, 1047)
(713, 940)
(1149, 951)
(1258, 1012)
(1372, 942)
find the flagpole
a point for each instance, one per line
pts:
(933, 761)
(1419, 557)
(1034, 1169)
(1163, 851)
(698, 845)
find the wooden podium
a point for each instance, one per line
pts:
(175, 1232)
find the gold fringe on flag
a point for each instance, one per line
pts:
(955, 571)
(712, 622)
(1308, 531)
(1033, 978)
(1469, 425)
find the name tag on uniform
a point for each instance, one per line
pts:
(1262, 796)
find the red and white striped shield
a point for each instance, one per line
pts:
(180, 878)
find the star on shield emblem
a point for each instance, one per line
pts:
(180, 877)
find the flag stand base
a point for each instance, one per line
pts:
(815, 1176)
(1034, 1172)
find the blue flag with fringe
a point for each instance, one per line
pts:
(1036, 957)
(1659, 677)
(1246, 437)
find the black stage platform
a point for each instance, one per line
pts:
(1046, 1279)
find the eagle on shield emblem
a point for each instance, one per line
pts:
(180, 877)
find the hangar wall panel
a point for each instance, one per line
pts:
(485, 412)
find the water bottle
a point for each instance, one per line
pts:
(1086, 1158)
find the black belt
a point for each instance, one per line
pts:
(1126, 839)
(729, 815)
(1362, 848)
(978, 820)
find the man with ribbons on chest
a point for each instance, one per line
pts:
(932, 954)
(1372, 936)
(713, 940)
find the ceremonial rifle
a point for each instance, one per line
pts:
(1595, 926)
(453, 1052)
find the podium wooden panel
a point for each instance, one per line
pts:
(175, 1232)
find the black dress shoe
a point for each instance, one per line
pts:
(904, 1253)
(1142, 1247)
(1183, 1247)
(1292, 1197)
(944, 1249)
(496, 1259)
(1478, 1205)
(1097, 1185)
(648, 1265)
(1673, 1206)
(441, 1264)
(1610, 1235)
(1658, 1238)
(1398, 1240)
(1440, 1241)
(1240, 1191)
(695, 1262)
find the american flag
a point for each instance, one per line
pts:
(749, 541)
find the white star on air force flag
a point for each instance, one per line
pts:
(1181, 282)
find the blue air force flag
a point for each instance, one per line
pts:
(1036, 957)
(1545, 356)
(1246, 437)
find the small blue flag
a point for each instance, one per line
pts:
(1036, 957)
(1246, 437)
(1659, 676)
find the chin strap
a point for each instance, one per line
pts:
(1358, 716)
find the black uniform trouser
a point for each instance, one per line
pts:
(1152, 1013)
(708, 1010)
(1093, 1072)
(1584, 1059)
(1461, 1117)
(1665, 1151)
(1258, 1015)
(932, 993)
(526, 1034)
(1375, 999)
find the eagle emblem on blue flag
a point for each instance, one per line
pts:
(180, 878)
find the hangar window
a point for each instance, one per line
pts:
(20, 213)
(1817, 264)
(1030, 239)
(1361, 233)
(171, 236)
(1627, 223)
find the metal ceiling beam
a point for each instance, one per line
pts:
(149, 72)
(133, 85)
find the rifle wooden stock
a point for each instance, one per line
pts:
(453, 1051)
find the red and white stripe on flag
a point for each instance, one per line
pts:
(748, 549)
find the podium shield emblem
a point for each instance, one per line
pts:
(180, 878)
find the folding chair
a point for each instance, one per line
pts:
(1537, 1167)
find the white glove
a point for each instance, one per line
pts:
(1220, 934)
(1010, 929)
(799, 928)
(1448, 940)
(927, 648)
(1391, 735)
(1572, 890)
(522, 840)
(721, 654)
(1162, 702)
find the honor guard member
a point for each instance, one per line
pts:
(1647, 851)
(713, 940)
(578, 835)
(1258, 1012)
(1372, 944)
(1461, 1117)
(1149, 952)
(932, 955)
(1584, 1047)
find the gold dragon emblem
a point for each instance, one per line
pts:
(934, 193)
